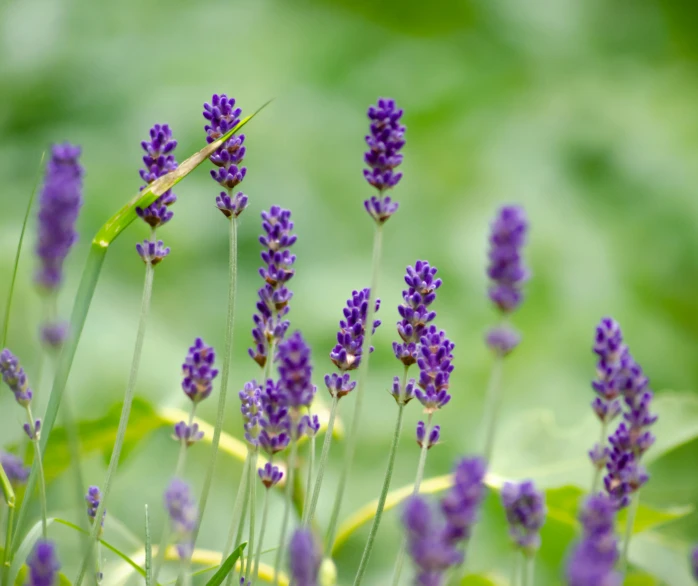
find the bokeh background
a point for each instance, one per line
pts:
(582, 111)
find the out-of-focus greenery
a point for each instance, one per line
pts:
(583, 111)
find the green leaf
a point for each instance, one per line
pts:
(662, 557)
(478, 580)
(640, 579)
(226, 567)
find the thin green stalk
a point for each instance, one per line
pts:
(262, 531)
(10, 500)
(492, 405)
(353, 435)
(381, 501)
(630, 521)
(310, 509)
(287, 509)
(18, 252)
(529, 570)
(40, 467)
(253, 508)
(597, 469)
(225, 374)
(241, 526)
(148, 550)
(311, 467)
(516, 569)
(237, 507)
(125, 413)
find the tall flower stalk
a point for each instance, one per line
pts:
(385, 141)
(158, 161)
(222, 115)
(507, 273)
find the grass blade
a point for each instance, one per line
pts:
(8, 307)
(148, 551)
(226, 567)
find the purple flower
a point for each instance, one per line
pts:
(251, 407)
(32, 431)
(223, 116)
(189, 434)
(59, 205)
(613, 359)
(594, 557)
(43, 565)
(93, 498)
(525, 512)
(183, 514)
(694, 562)
(400, 394)
(339, 384)
(309, 425)
(198, 371)
(17, 472)
(158, 161)
(304, 558)
(14, 377)
(462, 502)
(502, 340)
(386, 139)
(346, 355)
(274, 419)
(434, 361)
(624, 473)
(506, 269)
(295, 372)
(54, 334)
(270, 475)
(415, 312)
(270, 327)
(434, 435)
(153, 251)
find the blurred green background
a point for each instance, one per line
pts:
(582, 111)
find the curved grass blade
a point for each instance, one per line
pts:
(226, 567)
(8, 306)
(104, 237)
(148, 551)
(9, 495)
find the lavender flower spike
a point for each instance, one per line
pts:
(158, 161)
(59, 205)
(506, 268)
(251, 408)
(43, 565)
(270, 475)
(594, 557)
(274, 419)
(346, 355)
(93, 498)
(183, 514)
(525, 511)
(462, 502)
(385, 141)
(17, 472)
(295, 372)
(304, 558)
(198, 371)
(14, 377)
(694, 562)
(435, 356)
(222, 116)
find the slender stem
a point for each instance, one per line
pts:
(98, 563)
(262, 531)
(225, 374)
(249, 477)
(381, 500)
(492, 405)
(40, 468)
(253, 508)
(125, 413)
(310, 510)
(630, 521)
(529, 570)
(353, 436)
(516, 569)
(237, 508)
(311, 466)
(9, 494)
(597, 469)
(287, 510)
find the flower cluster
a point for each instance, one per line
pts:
(610, 369)
(435, 367)
(594, 557)
(43, 564)
(251, 408)
(198, 371)
(14, 377)
(223, 116)
(158, 161)
(270, 327)
(59, 206)
(386, 139)
(270, 475)
(525, 512)
(435, 545)
(17, 473)
(346, 355)
(93, 498)
(304, 558)
(183, 514)
(274, 419)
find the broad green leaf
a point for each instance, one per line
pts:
(662, 557)
(226, 567)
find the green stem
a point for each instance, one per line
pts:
(310, 509)
(492, 405)
(225, 374)
(630, 521)
(311, 466)
(10, 499)
(516, 569)
(262, 531)
(40, 468)
(253, 508)
(237, 508)
(353, 436)
(287, 509)
(125, 413)
(529, 569)
(381, 501)
(597, 470)
(241, 525)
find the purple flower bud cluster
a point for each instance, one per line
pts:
(54, 334)
(270, 475)
(506, 269)
(594, 557)
(93, 498)
(434, 544)
(152, 252)
(346, 355)
(694, 563)
(433, 435)
(198, 371)
(251, 408)
(59, 205)
(304, 557)
(525, 511)
(502, 340)
(435, 367)
(270, 327)
(295, 372)
(385, 141)
(158, 161)
(189, 434)
(610, 369)
(43, 564)
(14, 377)
(17, 473)
(274, 419)
(339, 384)
(223, 116)
(182, 510)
